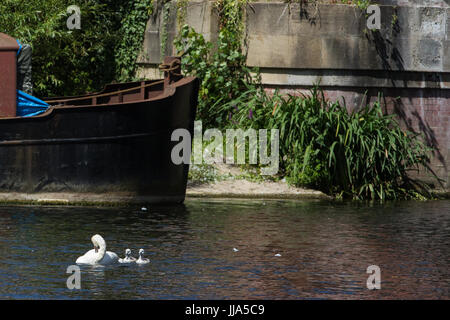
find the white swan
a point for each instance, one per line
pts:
(98, 255)
(141, 259)
(128, 258)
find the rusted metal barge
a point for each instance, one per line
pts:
(117, 140)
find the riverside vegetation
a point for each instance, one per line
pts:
(361, 155)
(364, 154)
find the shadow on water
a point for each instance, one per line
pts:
(324, 250)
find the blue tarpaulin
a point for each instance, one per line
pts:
(28, 106)
(20, 47)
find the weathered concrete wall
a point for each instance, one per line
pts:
(298, 45)
(335, 37)
(160, 32)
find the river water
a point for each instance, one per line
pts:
(324, 250)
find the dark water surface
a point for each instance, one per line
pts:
(325, 250)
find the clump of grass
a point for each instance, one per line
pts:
(201, 173)
(363, 154)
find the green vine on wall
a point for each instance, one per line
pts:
(134, 21)
(221, 65)
(164, 35)
(182, 6)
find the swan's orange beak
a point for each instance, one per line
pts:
(96, 249)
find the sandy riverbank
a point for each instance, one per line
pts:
(230, 181)
(252, 190)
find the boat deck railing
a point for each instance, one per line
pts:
(172, 73)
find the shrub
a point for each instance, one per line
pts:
(71, 62)
(363, 154)
(221, 69)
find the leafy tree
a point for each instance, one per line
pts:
(71, 62)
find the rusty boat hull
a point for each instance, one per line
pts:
(117, 140)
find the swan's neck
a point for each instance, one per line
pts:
(100, 254)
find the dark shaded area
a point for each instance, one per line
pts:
(309, 11)
(24, 69)
(393, 63)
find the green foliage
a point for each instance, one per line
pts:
(181, 12)
(230, 19)
(135, 15)
(361, 155)
(61, 57)
(220, 66)
(70, 62)
(361, 4)
(201, 173)
(222, 72)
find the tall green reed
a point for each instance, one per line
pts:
(363, 154)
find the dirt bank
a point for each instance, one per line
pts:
(227, 181)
